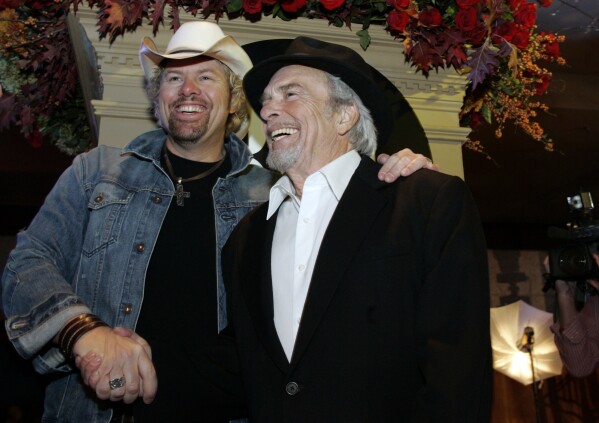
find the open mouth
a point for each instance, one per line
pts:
(189, 108)
(281, 133)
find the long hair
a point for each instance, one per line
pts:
(363, 136)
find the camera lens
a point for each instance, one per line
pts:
(574, 261)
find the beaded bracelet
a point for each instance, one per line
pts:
(75, 329)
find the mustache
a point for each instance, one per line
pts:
(182, 99)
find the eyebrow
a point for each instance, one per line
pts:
(281, 89)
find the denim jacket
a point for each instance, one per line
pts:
(88, 249)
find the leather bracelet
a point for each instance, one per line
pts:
(75, 329)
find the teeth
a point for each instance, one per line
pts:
(278, 133)
(189, 108)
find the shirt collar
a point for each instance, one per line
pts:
(337, 174)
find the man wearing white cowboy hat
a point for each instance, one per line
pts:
(117, 283)
(352, 300)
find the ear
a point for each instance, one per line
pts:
(347, 118)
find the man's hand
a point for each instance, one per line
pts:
(403, 163)
(104, 355)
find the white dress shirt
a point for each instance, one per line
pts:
(298, 234)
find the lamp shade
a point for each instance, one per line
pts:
(508, 325)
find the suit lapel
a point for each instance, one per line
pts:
(356, 212)
(257, 286)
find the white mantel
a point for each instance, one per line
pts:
(123, 111)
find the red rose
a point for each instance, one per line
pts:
(505, 31)
(331, 4)
(398, 4)
(269, 2)
(514, 4)
(545, 3)
(463, 4)
(521, 38)
(526, 14)
(543, 83)
(397, 20)
(552, 49)
(477, 36)
(292, 6)
(430, 17)
(466, 19)
(252, 6)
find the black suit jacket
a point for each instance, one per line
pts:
(395, 327)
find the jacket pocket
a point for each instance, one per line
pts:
(107, 205)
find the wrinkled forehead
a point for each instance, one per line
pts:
(296, 76)
(298, 72)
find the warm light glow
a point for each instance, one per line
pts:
(507, 326)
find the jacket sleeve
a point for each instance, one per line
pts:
(578, 343)
(37, 296)
(453, 334)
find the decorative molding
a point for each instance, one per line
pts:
(123, 109)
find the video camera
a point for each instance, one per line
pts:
(572, 258)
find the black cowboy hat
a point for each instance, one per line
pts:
(400, 128)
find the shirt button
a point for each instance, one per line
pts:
(156, 199)
(306, 220)
(292, 388)
(127, 308)
(99, 197)
(140, 247)
(301, 267)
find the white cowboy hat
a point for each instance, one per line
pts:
(192, 39)
(198, 38)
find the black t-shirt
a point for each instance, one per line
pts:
(197, 368)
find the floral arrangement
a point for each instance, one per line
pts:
(495, 43)
(39, 89)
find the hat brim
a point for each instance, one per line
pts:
(400, 123)
(226, 50)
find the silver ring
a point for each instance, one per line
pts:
(117, 383)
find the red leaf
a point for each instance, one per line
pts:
(456, 57)
(51, 53)
(157, 15)
(118, 16)
(424, 56)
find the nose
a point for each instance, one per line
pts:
(269, 110)
(189, 88)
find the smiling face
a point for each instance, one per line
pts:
(194, 103)
(302, 130)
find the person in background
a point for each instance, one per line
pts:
(353, 300)
(576, 332)
(116, 285)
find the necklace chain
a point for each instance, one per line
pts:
(179, 193)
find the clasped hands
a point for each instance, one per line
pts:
(117, 364)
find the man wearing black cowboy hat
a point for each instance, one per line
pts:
(353, 300)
